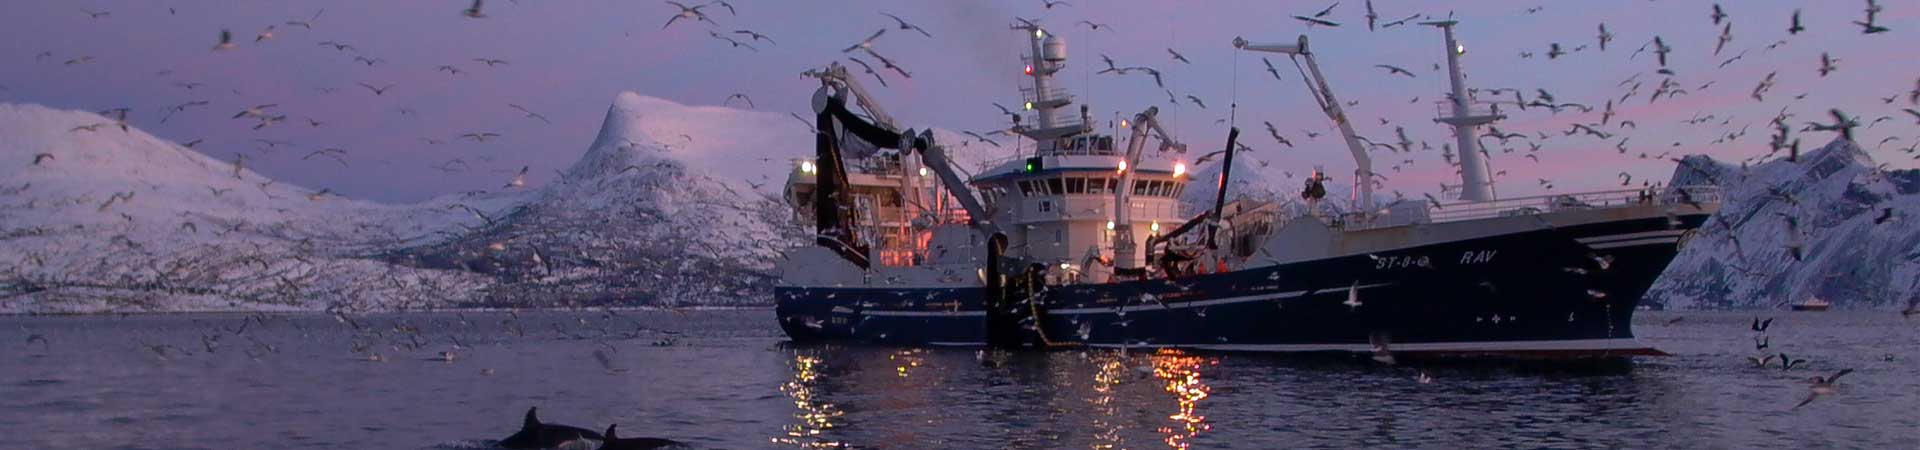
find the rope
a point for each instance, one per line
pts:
(1233, 97)
(1309, 82)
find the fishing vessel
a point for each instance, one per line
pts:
(1081, 240)
(1812, 304)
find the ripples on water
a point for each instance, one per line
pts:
(724, 379)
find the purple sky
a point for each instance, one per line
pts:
(568, 59)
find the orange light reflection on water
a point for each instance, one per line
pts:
(1182, 376)
(815, 417)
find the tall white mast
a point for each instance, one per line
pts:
(1475, 185)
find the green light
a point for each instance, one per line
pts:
(1031, 167)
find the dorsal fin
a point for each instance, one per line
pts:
(533, 421)
(609, 434)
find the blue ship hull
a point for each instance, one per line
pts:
(1548, 291)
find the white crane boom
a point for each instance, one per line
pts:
(1323, 93)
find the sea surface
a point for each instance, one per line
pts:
(728, 379)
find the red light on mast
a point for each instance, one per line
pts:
(1029, 69)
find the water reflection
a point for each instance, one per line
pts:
(815, 417)
(1106, 428)
(1181, 373)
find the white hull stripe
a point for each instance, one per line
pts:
(1648, 241)
(1479, 346)
(1627, 236)
(1151, 306)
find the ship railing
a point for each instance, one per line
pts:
(1537, 204)
(1059, 120)
(1052, 93)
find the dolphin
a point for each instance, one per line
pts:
(641, 443)
(535, 435)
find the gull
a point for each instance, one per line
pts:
(266, 121)
(1275, 132)
(869, 69)
(519, 179)
(336, 45)
(474, 12)
(1553, 51)
(1400, 22)
(308, 24)
(865, 43)
(80, 60)
(334, 153)
(1661, 50)
(1178, 57)
(1314, 21)
(264, 35)
(902, 23)
(1822, 386)
(226, 41)
(1050, 3)
(888, 63)
(451, 70)
(377, 90)
(1328, 10)
(1726, 35)
(530, 114)
(1094, 26)
(1759, 362)
(1371, 16)
(742, 97)
(1391, 69)
(1794, 27)
(1353, 292)
(1766, 84)
(1914, 112)
(1841, 123)
(1604, 37)
(1718, 15)
(1827, 64)
(490, 62)
(756, 36)
(1276, 73)
(724, 4)
(736, 44)
(480, 136)
(91, 14)
(254, 111)
(1196, 101)
(978, 137)
(1760, 326)
(38, 157)
(368, 61)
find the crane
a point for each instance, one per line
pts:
(1323, 94)
(1125, 254)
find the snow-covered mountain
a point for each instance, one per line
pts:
(97, 216)
(1834, 203)
(661, 209)
(672, 203)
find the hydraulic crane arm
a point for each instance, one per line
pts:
(1125, 253)
(1323, 93)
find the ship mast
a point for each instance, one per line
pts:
(1047, 56)
(1475, 185)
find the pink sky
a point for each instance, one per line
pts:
(568, 59)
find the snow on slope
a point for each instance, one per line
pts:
(662, 208)
(1741, 259)
(120, 219)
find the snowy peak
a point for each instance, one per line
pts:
(1828, 224)
(620, 142)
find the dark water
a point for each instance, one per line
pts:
(727, 381)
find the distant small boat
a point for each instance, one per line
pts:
(1812, 304)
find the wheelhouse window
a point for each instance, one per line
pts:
(1076, 185)
(1056, 186)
